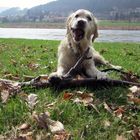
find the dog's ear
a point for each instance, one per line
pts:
(95, 30)
(68, 23)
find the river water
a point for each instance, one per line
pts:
(59, 34)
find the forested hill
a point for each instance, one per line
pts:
(58, 10)
(93, 5)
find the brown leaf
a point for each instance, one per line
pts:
(107, 107)
(24, 126)
(27, 136)
(67, 96)
(32, 100)
(44, 78)
(44, 121)
(33, 66)
(61, 136)
(8, 88)
(94, 107)
(41, 119)
(120, 137)
(136, 133)
(119, 112)
(134, 100)
(134, 89)
(55, 126)
(4, 96)
(129, 76)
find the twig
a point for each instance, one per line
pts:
(74, 70)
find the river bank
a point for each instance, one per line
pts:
(103, 25)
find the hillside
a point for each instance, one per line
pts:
(58, 10)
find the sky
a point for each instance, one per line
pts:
(22, 3)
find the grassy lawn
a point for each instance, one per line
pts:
(81, 122)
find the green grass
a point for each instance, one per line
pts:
(17, 54)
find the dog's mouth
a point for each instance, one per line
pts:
(78, 34)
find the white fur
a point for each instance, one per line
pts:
(70, 50)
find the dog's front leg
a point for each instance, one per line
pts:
(93, 72)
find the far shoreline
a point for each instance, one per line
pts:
(103, 25)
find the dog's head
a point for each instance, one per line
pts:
(82, 25)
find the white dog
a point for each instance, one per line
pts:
(81, 32)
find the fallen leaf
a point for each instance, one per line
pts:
(61, 136)
(27, 136)
(129, 76)
(4, 96)
(55, 126)
(134, 100)
(120, 137)
(44, 78)
(24, 126)
(136, 133)
(119, 112)
(134, 89)
(33, 66)
(67, 96)
(32, 100)
(46, 122)
(107, 107)
(41, 119)
(8, 88)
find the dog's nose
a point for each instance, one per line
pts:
(81, 23)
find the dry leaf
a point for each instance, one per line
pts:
(134, 100)
(120, 137)
(134, 89)
(33, 66)
(129, 76)
(119, 112)
(136, 133)
(32, 100)
(67, 96)
(61, 136)
(55, 126)
(44, 121)
(41, 119)
(44, 78)
(107, 107)
(94, 107)
(24, 126)
(27, 136)
(4, 96)
(8, 88)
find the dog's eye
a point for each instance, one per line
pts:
(89, 18)
(77, 16)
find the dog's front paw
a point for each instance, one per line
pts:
(101, 75)
(54, 78)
